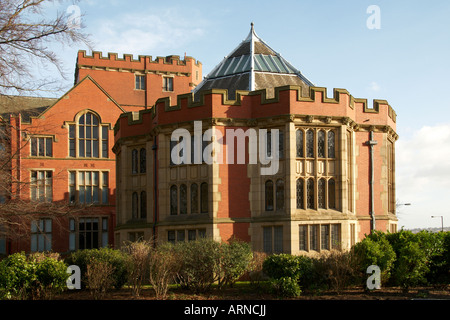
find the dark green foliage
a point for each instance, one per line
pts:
(284, 271)
(33, 277)
(116, 258)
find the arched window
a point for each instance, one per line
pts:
(173, 200)
(300, 204)
(331, 148)
(204, 197)
(269, 195)
(310, 194)
(279, 192)
(134, 205)
(134, 161)
(321, 193)
(331, 194)
(194, 198)
(183, 199)
(299, 141)
(310, 143)
(88, 138)
(321, 144)
(142, 160)
(143, 205)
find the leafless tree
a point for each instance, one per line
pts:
(27, 31)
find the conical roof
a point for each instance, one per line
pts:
(253, 65)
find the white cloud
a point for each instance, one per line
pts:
(375, 87)
(423, 174)
(152, 31)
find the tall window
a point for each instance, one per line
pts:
(88, 187)
(280, 194)
(41, 147)
(273, 239)
(194, 198)
(300, 191)
(331, 194)
(88, 138)
(204, 197)
(310, 143)
(280, 153)
(299, 143)
(142, 160)
(310, 194)
(173, 200)
(319, 237)
(314, 237)
(41, 235)
(198, 196)
(140, 82)
(331, 144)
(183, 199)
(274, 198)
(134, 205)
(269, 195)
(143, 205)
(321, 193)
(86, 233)
(41, 186)
(167, 83)
(134, 161)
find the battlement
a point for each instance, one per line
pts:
(97, 57)
(255, 107)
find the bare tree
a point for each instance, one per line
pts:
(25, 34)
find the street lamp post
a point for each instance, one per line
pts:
(442, 221)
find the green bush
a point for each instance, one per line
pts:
(286, 287)
(197, 263)
(439, 273)
(282, 265)
(35, 277)
(116, 258)
(233, 261)
(373, 250)
(411, 264)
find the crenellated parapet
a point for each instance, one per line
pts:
(256, 108)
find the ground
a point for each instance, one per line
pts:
(243, 291)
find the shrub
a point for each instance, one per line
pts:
(286, 287)
(410, 267)
(337, 268)
(255, 269)
(99, 277)
(38, 276)
(233, 260)
(16, 276)
(138, 263)
(196, 261)
(51, 276)
(163, 269)
(439, 273)
(282, 265)
(373, 250)
(116, 258)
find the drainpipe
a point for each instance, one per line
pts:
(372, 143)
(155, 188)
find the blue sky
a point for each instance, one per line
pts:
(405, 62)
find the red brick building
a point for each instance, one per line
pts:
(336, 176)
(61, 148)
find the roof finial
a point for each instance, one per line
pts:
(251, 24)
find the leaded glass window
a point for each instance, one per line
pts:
(299, 142)
(280, 194)
(269, 195)
(310, 194)
(331, 194)
(194, 198)
(183, 199)
(173, 200)
(134, 205)
(321, 193)
(325, 237)
(204, 197)
(300, 204)
(88, 136)
(142, 160)
(303, 237)
(143, 203)
(310, 143)
(321, 144)
(134, 161)
(331, 144)
(314, 237)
